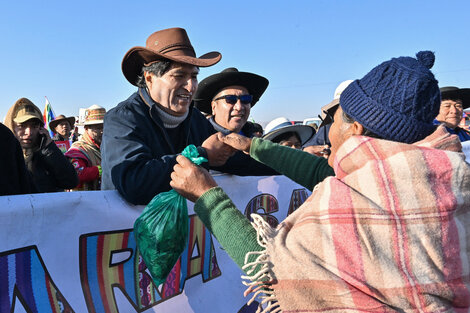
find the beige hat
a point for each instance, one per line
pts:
(26, 111)
(94, 115)
(333, 105)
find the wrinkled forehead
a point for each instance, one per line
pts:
(450, 101)
(186, 68)
(231, 90)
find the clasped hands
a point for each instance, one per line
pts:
(192, 181)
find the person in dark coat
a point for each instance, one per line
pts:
(15, 178)
(49, 168)
(228, 97)
(143, 135)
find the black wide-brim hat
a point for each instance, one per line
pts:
(210, 86)
(455, 93)
(170, 44)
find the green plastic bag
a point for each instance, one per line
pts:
(161, 230)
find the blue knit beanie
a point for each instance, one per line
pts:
(397, 100)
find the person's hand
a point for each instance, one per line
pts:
(189, 180)
(236, 141)
(322, 151)
(45, 133)
(217, 151)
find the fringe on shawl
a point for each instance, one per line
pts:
(259, 282)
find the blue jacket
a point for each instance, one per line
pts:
(463, 134)
(321, 137)
(138, 153)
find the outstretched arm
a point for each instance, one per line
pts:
(302, 167)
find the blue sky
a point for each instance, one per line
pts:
(71, 51)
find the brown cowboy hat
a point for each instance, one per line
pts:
(455, 93)
(169, 44)
(210, 86)
(53, 124)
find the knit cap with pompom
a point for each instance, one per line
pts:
(397, 100)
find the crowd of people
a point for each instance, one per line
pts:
(386, 226)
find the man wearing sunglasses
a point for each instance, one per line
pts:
(143, 135)
(229, 96)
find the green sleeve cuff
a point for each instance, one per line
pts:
(304, 168)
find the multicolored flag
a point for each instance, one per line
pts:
(48, 116)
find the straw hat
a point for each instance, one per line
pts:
(94, 115)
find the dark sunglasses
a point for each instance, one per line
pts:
(232, 99)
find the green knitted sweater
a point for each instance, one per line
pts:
(231, 228)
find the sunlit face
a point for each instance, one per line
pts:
(95, 132)
(231, 116)
(340, 131)
(63, 128)
(450, 113)
(293, 142)
(174, 90)
(27, 133)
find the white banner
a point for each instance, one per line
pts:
(76, 252)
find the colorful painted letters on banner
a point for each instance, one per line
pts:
(76, 252)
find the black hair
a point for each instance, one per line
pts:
(456, 99)
(257, 128)
(158, 68)
(286, 136)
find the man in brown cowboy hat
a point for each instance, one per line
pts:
(228, 97)
(85, 153)
(49, 168)
(143, 134)
(62, 127)
(454, 101)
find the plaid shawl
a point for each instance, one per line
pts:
(389, 233)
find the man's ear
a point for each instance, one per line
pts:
(148, 78)
(357, 128)
(213, 104)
